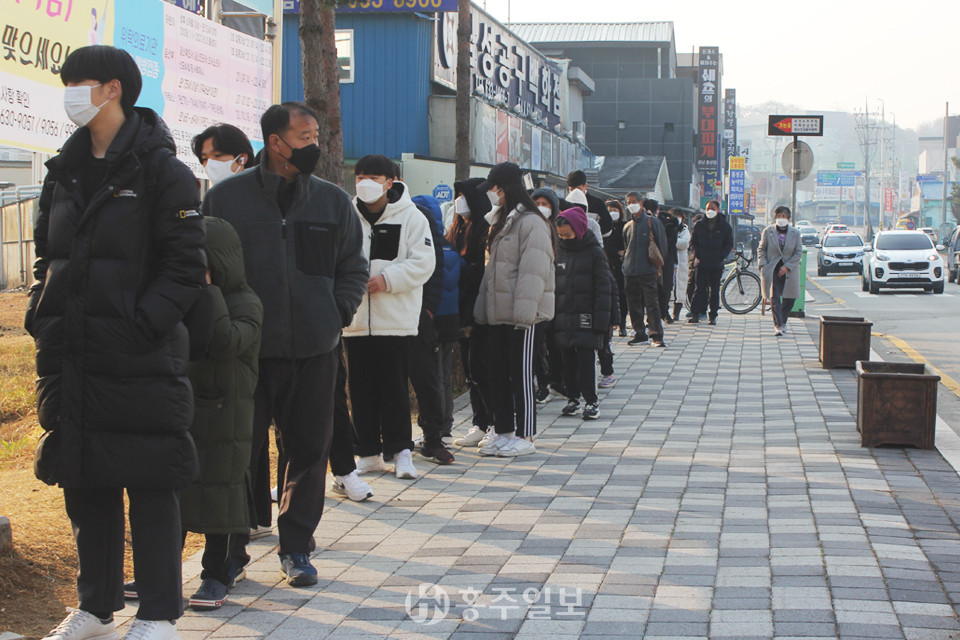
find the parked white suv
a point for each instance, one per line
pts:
(903, 259)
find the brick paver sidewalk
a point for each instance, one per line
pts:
(722, 494)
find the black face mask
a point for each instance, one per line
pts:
(569, 243)
(305, 159)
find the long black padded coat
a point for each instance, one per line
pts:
(114, 278)
(583, 294)
(223, 386)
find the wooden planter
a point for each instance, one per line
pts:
(896, 404)
(844, 341)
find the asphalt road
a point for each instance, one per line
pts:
(924, 323)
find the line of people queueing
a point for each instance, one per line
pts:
(171, 333)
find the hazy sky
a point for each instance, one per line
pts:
(811, 53)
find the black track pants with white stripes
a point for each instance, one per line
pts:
(511, 373)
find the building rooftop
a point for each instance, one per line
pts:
(605, 32)
(638, 173)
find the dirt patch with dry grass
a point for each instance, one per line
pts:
(38, 579)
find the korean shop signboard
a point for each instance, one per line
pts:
(708, 116)
(195, 71)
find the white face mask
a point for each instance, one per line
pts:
(494, 197)
(370, 190)
(577, 197)
(461, 207)
(614, 215)
(711, 214)
(546, 211)
(218, 170)
(78, 104)
(783, 222)
(634, 208)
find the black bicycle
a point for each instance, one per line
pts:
(741, 291)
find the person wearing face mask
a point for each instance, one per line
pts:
(683, 267)
(223, 150)
(516, 294)
(399, 246)
(779, 255)
(641, 274)
(303, 254)
(711, 241)
(584, 294)
(614, 250)
(468, 235)
(119, 245)
(579, 196)
(671, 228)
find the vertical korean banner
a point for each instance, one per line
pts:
(730, 148)
(707, 117)
(38, 35)
(735, 204)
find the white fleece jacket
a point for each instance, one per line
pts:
(400, 248)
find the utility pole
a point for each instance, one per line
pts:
(883, 194)
(946, 166)
(464, 91)
(866, 132)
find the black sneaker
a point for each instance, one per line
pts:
(713, 321)
(657, 342)
(211, 595)
(591, 411)
(297, 570)
(130, 591)
(437, 453)
(571, 409)
(623, 332)
(236, 572)
(693, 320)
(668, 319)
(542, 394)
(639, 340)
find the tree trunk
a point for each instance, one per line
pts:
(464, 90)
(321, 83)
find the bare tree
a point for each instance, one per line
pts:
(463, 92)
(321, 82)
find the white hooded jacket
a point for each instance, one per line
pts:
(399, 247)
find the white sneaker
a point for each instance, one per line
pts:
(471, 438)
(489, 437)
(516, 447)
(152, 630)
(260, 532)
(498, 443)
(352, 486)
(370, 464)
(403, 465)
(80, 625)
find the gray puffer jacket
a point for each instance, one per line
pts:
(519, 279)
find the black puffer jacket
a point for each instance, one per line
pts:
(223, 385)
(584, 295)
(115, 277)
(469, 238)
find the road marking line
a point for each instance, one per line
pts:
(821, 287)
(914, 355)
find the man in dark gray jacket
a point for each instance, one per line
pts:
(303, 256)
(640, 275)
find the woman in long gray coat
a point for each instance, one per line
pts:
(780, 252)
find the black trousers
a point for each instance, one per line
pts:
(297, 395)
(220, 551)
(511, 370)
(666, 289)
(541, 362)
(642, 295)
(580, 374)
(378, 368)
(447, 349)
(475, 359)
(780, 307)
(622, 290)
(97, 519)
(342, 462)
(605, 354)
(426, 377)
(260, 477)
(708, 283)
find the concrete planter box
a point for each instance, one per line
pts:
(896, 404)
(844, 341)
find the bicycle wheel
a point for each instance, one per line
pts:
(741, 293)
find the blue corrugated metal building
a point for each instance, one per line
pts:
(387, 112)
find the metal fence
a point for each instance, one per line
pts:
(17, 213)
